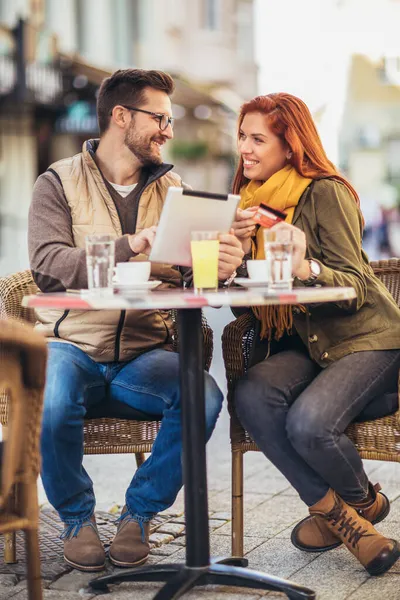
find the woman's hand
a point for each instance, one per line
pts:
(244, 226)
(300, 266)
(230, 255)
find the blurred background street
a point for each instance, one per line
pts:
(342, 57)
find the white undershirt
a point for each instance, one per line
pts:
(123, 190)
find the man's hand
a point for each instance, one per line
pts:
(244, 226)
(142, 242)
(230, 255)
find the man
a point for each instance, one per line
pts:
(115, 185)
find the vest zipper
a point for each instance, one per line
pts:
(118, 335)
(58, 323)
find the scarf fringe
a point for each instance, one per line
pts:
(281, 191)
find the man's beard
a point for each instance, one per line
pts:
(143, 148)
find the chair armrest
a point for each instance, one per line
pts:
(208, 339)
(237, 341)
(398, 411)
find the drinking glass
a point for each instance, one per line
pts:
(205, 251)
(100, 257)
(278, 246)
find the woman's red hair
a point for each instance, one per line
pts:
(289, 118)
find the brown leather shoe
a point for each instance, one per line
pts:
(83, 549)
(130, 547)
(312, 534)
(374, 551)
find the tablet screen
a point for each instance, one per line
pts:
(185, 211)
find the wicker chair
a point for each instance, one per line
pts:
(378, 439)
(22, 376)
(122, 431)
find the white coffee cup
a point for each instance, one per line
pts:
(132, 272)
(257, 270)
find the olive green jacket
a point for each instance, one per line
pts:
(332, 223)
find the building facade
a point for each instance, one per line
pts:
(70, 45)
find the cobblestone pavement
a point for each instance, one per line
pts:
(271, 510)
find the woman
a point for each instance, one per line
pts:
(324, 363)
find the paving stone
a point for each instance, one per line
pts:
(132, 591)
(220, 545)
(333, 575)
(177, 557)
(271, 517)
(173, 529)
(222, 516)
(8, 581)
(7, 592)
(386, 472)
(395, 511)
(222, 500)
(255, 462)
(289, 491)
(214, 524)
(56, 595)
(267, 483)
(160, 538)
(179, 520)
(387, 587)
(278, 557)
(165, 550)
(179, 541)
(77, 580)
(222, 593)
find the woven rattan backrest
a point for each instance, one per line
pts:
(11, 384)
(12, 289)
(388, 272)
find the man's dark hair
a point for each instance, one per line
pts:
(127, 87)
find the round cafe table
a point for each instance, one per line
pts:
(199, 568)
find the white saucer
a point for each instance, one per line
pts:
(250, 283)
(138, 286)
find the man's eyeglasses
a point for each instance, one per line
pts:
(163, 120)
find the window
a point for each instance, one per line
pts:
(393, 159)
(392, 70)
(212, 14)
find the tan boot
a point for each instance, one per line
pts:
(374, 551)
(130, 546)
(312, 534)
(83, 549)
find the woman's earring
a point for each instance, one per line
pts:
(289, 155)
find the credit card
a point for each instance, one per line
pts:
(267, 216)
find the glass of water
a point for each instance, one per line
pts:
(278, 246)
(100, 262)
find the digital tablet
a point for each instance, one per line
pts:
(185, 211)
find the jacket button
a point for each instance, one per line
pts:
(324, 356)
(296, 310)
(313, 338)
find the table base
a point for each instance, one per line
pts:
(222, 571)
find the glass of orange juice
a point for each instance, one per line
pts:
(205, 251)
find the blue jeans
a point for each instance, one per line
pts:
(297, 414)
(149, 383)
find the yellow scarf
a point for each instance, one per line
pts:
(281, 191)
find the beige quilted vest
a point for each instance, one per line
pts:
(109, 335)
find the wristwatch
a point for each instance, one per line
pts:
(315, 269)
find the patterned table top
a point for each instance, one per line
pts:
(177, 298)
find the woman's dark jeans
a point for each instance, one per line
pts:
(297, 413)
